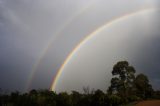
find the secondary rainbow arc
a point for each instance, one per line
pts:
(57, 34)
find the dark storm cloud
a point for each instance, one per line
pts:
(14, 66)
(147, 54)
(27, 27)
(21, 41)
(149, 60)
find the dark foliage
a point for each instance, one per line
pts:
(125, 88)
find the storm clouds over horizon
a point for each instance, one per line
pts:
(36, 36)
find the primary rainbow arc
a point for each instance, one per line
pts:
(91, 35)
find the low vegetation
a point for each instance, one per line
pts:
(125, 88)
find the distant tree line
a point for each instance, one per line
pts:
(126, 87)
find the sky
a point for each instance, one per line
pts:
(37, 36)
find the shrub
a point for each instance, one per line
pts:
(133, 98)
(114, 100)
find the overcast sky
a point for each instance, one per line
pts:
(36, 36)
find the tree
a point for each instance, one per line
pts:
(144, 89)
(122, 83)
(114, 100)
(76, 96)
(98, 98)
(64, 99)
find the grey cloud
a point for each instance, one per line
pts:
(27, 27)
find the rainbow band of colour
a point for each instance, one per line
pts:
(57, 34)
(91, 35)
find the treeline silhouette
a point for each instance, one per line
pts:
(125, 87)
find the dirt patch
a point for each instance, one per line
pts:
(149, 103)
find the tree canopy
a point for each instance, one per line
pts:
(125, 87)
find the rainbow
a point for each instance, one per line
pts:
(91, 35)
(57, 34)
